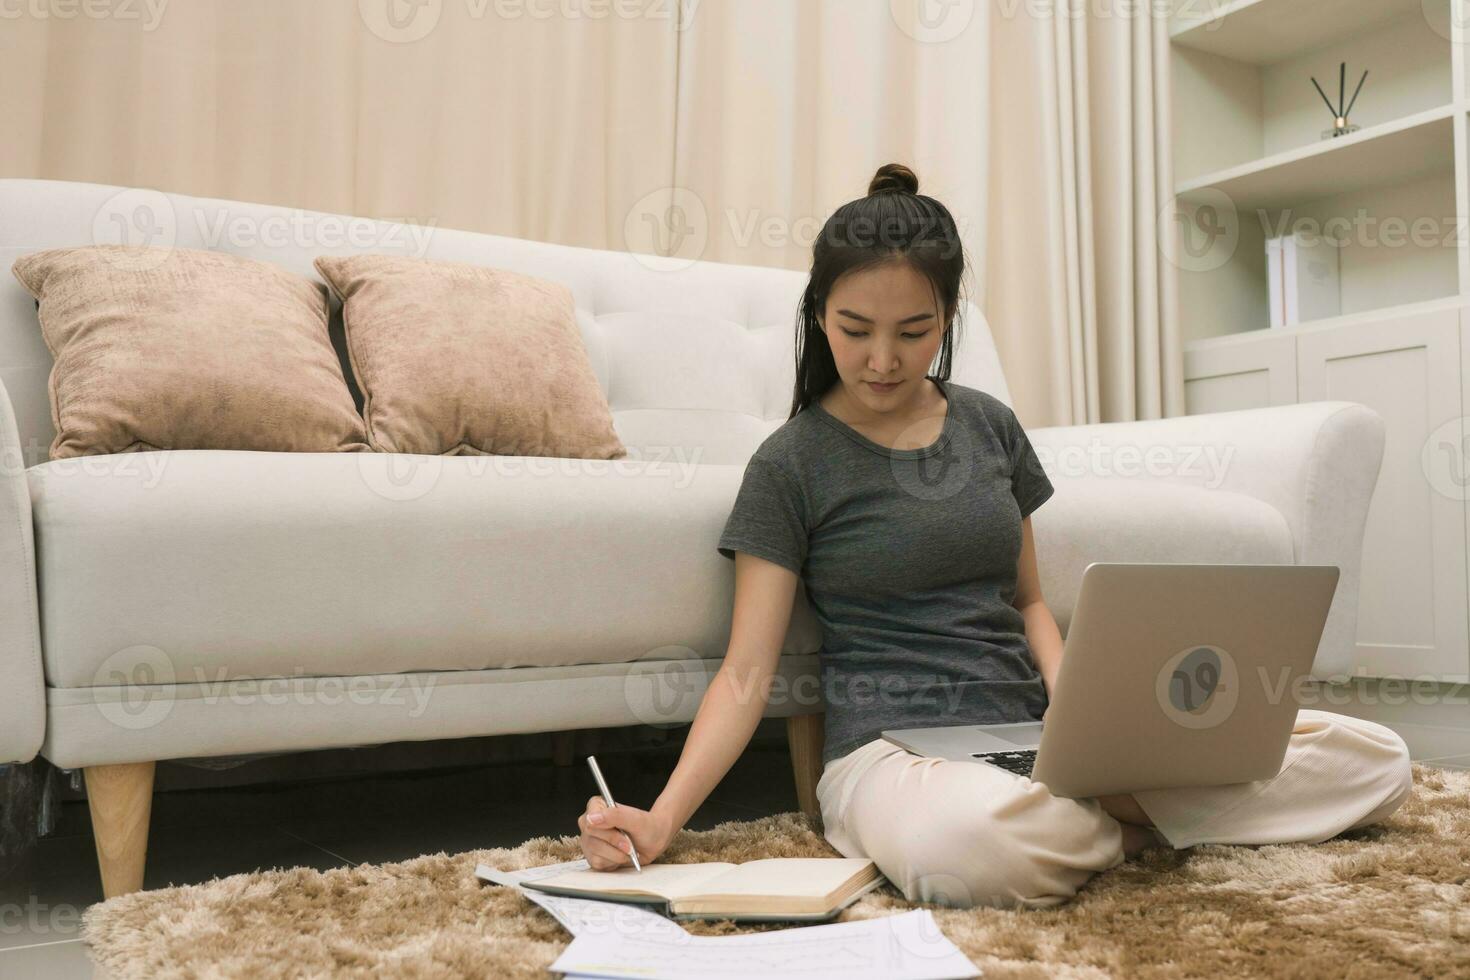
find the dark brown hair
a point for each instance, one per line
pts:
(894, 222)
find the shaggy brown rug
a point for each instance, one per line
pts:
(1392, 900)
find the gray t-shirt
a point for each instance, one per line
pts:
(909, 560)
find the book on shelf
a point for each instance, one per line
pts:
(1303, 276)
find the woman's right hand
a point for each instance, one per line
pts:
(606, 848)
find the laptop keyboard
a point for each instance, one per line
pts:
(1018, 762)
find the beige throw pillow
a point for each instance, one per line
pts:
(187, 349)
(464, 359)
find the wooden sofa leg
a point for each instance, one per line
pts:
(121, 800)
(804, 737)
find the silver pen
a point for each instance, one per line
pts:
(607, 798)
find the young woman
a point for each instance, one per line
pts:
(905, 510)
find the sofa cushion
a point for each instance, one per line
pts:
(211, 565)
(202, 567)
(171, 348)
(454, 358)
(1099, 519)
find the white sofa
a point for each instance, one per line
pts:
(389, 598)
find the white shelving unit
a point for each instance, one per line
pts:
(1250, 162)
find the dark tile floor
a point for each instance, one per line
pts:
(196, 835)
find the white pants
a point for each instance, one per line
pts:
(961, 834)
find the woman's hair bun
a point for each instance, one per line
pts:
(893, 177)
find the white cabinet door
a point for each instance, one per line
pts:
(1412, 609)
(1255, 373)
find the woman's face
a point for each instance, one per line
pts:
(884, 325)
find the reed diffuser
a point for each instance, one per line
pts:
(1340, 124)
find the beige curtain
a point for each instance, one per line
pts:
(720, 129)
(470, 114)
(786, 110)
(1082, 295)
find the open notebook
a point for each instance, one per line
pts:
(769, 889)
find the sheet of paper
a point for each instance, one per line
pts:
(582, 916)
(906, 946)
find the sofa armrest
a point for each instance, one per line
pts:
(22, 682)
(1316, 463)
(1091, 520)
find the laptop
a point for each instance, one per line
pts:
(1172, 675)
